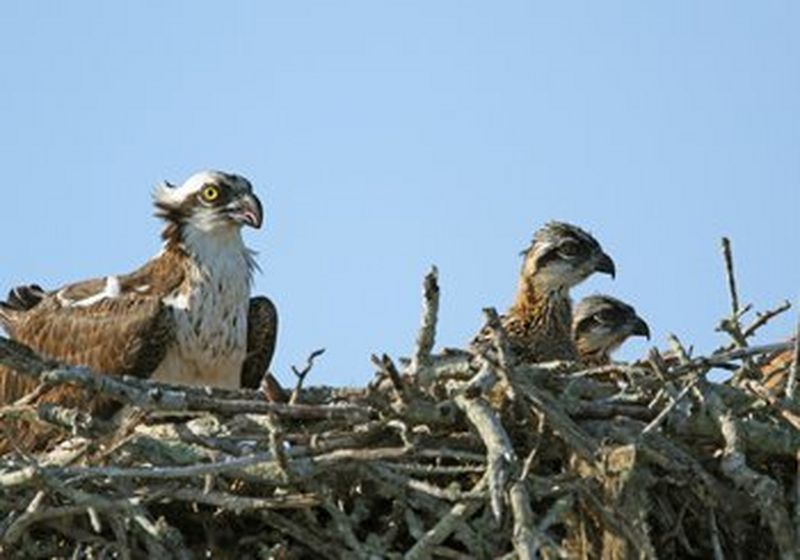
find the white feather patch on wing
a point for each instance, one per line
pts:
(111, 290)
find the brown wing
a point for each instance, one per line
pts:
(127, 334)
(262, 334)
(124, 335)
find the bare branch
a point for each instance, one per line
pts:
(500, 339)
(764, 318)
(499, 451)
(446, 526)
(728, 256)
(427, 332)
(301, 374)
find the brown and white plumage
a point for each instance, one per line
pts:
(539, 323)
(601, 324)
(775, 371)
(180, 318)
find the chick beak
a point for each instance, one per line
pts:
(605, 264)
(248, 210)
(640, 328)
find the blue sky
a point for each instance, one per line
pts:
(384, 137)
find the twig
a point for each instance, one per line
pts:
(301, 375)
(667, 409)
(527, 466)
(764, 318)
(344, 527)
(499, 451)
(716, 545)
(305, 535)
(726, 253)
(582, 443)
(404, 481)
(268, 467)
(151, 395)
(679, 349)
(71, 419)
(724, 358)
(797, 502)
(553, 515)
(35, 515)
(446, 525)
(526, 543)
(386, 366)
(500, 339)
(31, 397)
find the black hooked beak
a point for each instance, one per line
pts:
(640, 328)
(248, 210)
(605, 264)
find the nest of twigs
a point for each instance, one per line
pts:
(457, 456)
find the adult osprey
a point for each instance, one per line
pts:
(184, 317)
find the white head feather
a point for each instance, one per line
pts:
(171, 195)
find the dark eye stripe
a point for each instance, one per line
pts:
(557, 253)
(611, 315)
(584, 325)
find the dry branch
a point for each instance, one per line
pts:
(420, 362)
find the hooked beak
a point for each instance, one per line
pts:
(248, 210)
(605, 264)
(640, 328)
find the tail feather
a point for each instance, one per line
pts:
(20, 299)
(5, 316)
(23, 298)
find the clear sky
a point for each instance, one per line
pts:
(384, 137)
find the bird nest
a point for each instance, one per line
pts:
(453, 455)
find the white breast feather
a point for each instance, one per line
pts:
(211, 317)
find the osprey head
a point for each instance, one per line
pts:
(601, 324)
(208, 201)
(562, 255)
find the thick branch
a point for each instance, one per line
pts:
(764, 491)
(426, 338)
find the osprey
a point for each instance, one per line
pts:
(185, 317)
(601, 324)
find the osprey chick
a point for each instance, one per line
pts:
(184, 317)
(539, 322)
(601, 324)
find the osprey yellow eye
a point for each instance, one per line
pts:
(210, 193)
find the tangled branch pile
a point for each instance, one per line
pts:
(459, 456)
